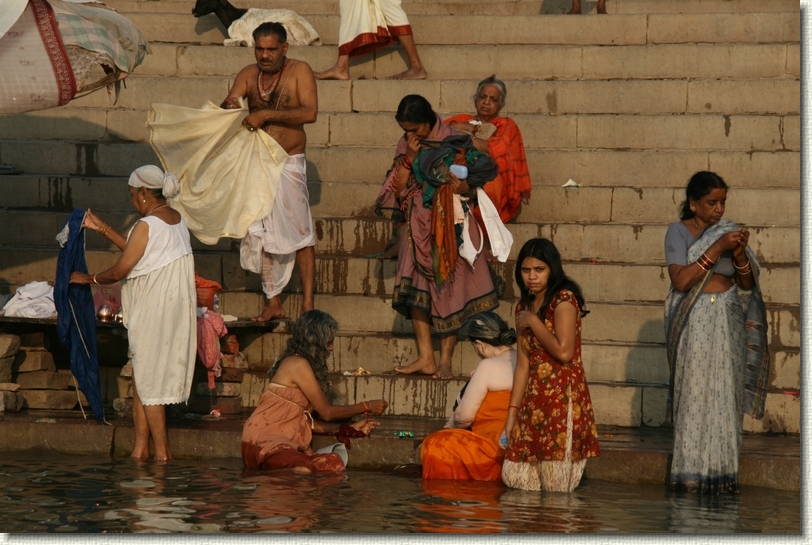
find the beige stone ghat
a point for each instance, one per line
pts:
(627, 105)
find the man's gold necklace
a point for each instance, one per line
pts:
(265, 93)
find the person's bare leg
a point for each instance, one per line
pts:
(273, 310)
(416, 69)
(141, 444)
(601, 6)
(340, 70)
(425, 363)
(576, 7)
(156, 418)
(306, 261)
(447, 343)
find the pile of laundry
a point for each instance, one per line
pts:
(34, 300)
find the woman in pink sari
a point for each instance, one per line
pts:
(436, 287)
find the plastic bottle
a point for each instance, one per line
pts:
(503, 442)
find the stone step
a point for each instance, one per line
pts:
(474, 7)
(573, 100)
(600, 242)
(621, 29)
(549, 204)
(509, 62)
(643, 321)
(348, 275)
(603, 362)
(366, 169)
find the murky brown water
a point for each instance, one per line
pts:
(50, 492)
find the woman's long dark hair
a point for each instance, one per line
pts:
(544, 250)
(415, 109)
(311, 335)
(700, 184)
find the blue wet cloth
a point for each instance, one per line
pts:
(76, 316)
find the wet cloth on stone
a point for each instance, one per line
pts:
(282, 423)
(210, 328)
(158, 299)
(34, 300)
(228, 174)
(76, 317)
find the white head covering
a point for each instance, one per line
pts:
(152, 177)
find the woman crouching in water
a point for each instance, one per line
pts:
(278, 433)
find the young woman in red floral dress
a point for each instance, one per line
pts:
(550, 427)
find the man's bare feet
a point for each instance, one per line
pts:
(443, 373)
(411, 74)
(273, 311)
(333, 73)
(420, 367)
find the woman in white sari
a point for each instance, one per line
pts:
(716, 350)
(156, 268)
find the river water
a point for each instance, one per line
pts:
(50, 492)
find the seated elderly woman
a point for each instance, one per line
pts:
(277, 434)
(474, 454)
(505, 146)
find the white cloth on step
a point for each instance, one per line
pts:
(34, 300)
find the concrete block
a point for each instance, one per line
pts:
(9, 387)
(695, 60)
(791, 132)
(775, 96)
(351, 236)
(165, 60)
(192, 92)
(335, 96)
(240, 304)
(11, 401)
(225, 405)
(616, 405)
(612, 283)
(318, 133)
(566, 205)
(784, 327)
(357, 165)
(253, 384)
(9, 345)
(782, 414)
(345, 199)
(771, 169)
(600, 97)
(785, 370)
(363, 130)
(385, 95)
(705, 6)
(625, 363)
(641, 323)
(50, 399)
(223, 389)
(129, 125)
(234, 361)
(212, 60)
(654, 406)
(44, 380)
(37, 339)
(407, 395)
(724, 28)
(33, 360)
(793, 66)
(684, 132)
(54, 124)
(781, 285)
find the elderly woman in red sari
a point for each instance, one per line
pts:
(438, 285)
(505, 146)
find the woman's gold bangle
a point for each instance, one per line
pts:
(94, 279)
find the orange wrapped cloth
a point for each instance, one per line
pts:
(506, 148)
(469, 455)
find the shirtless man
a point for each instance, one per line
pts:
(282, 97)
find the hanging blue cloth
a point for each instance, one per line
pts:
(76, 317)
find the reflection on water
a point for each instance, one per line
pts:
(48, 492)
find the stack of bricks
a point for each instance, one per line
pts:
(41, 384)
(11, 398)
(225, 397)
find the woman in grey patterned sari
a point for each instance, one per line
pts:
(717, 350)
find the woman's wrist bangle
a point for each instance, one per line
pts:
(743, 267)
(93, 278)
(702, 266)
(513, 407)
(365, 406)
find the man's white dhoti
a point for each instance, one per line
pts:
(367, 25)
(271, 244)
